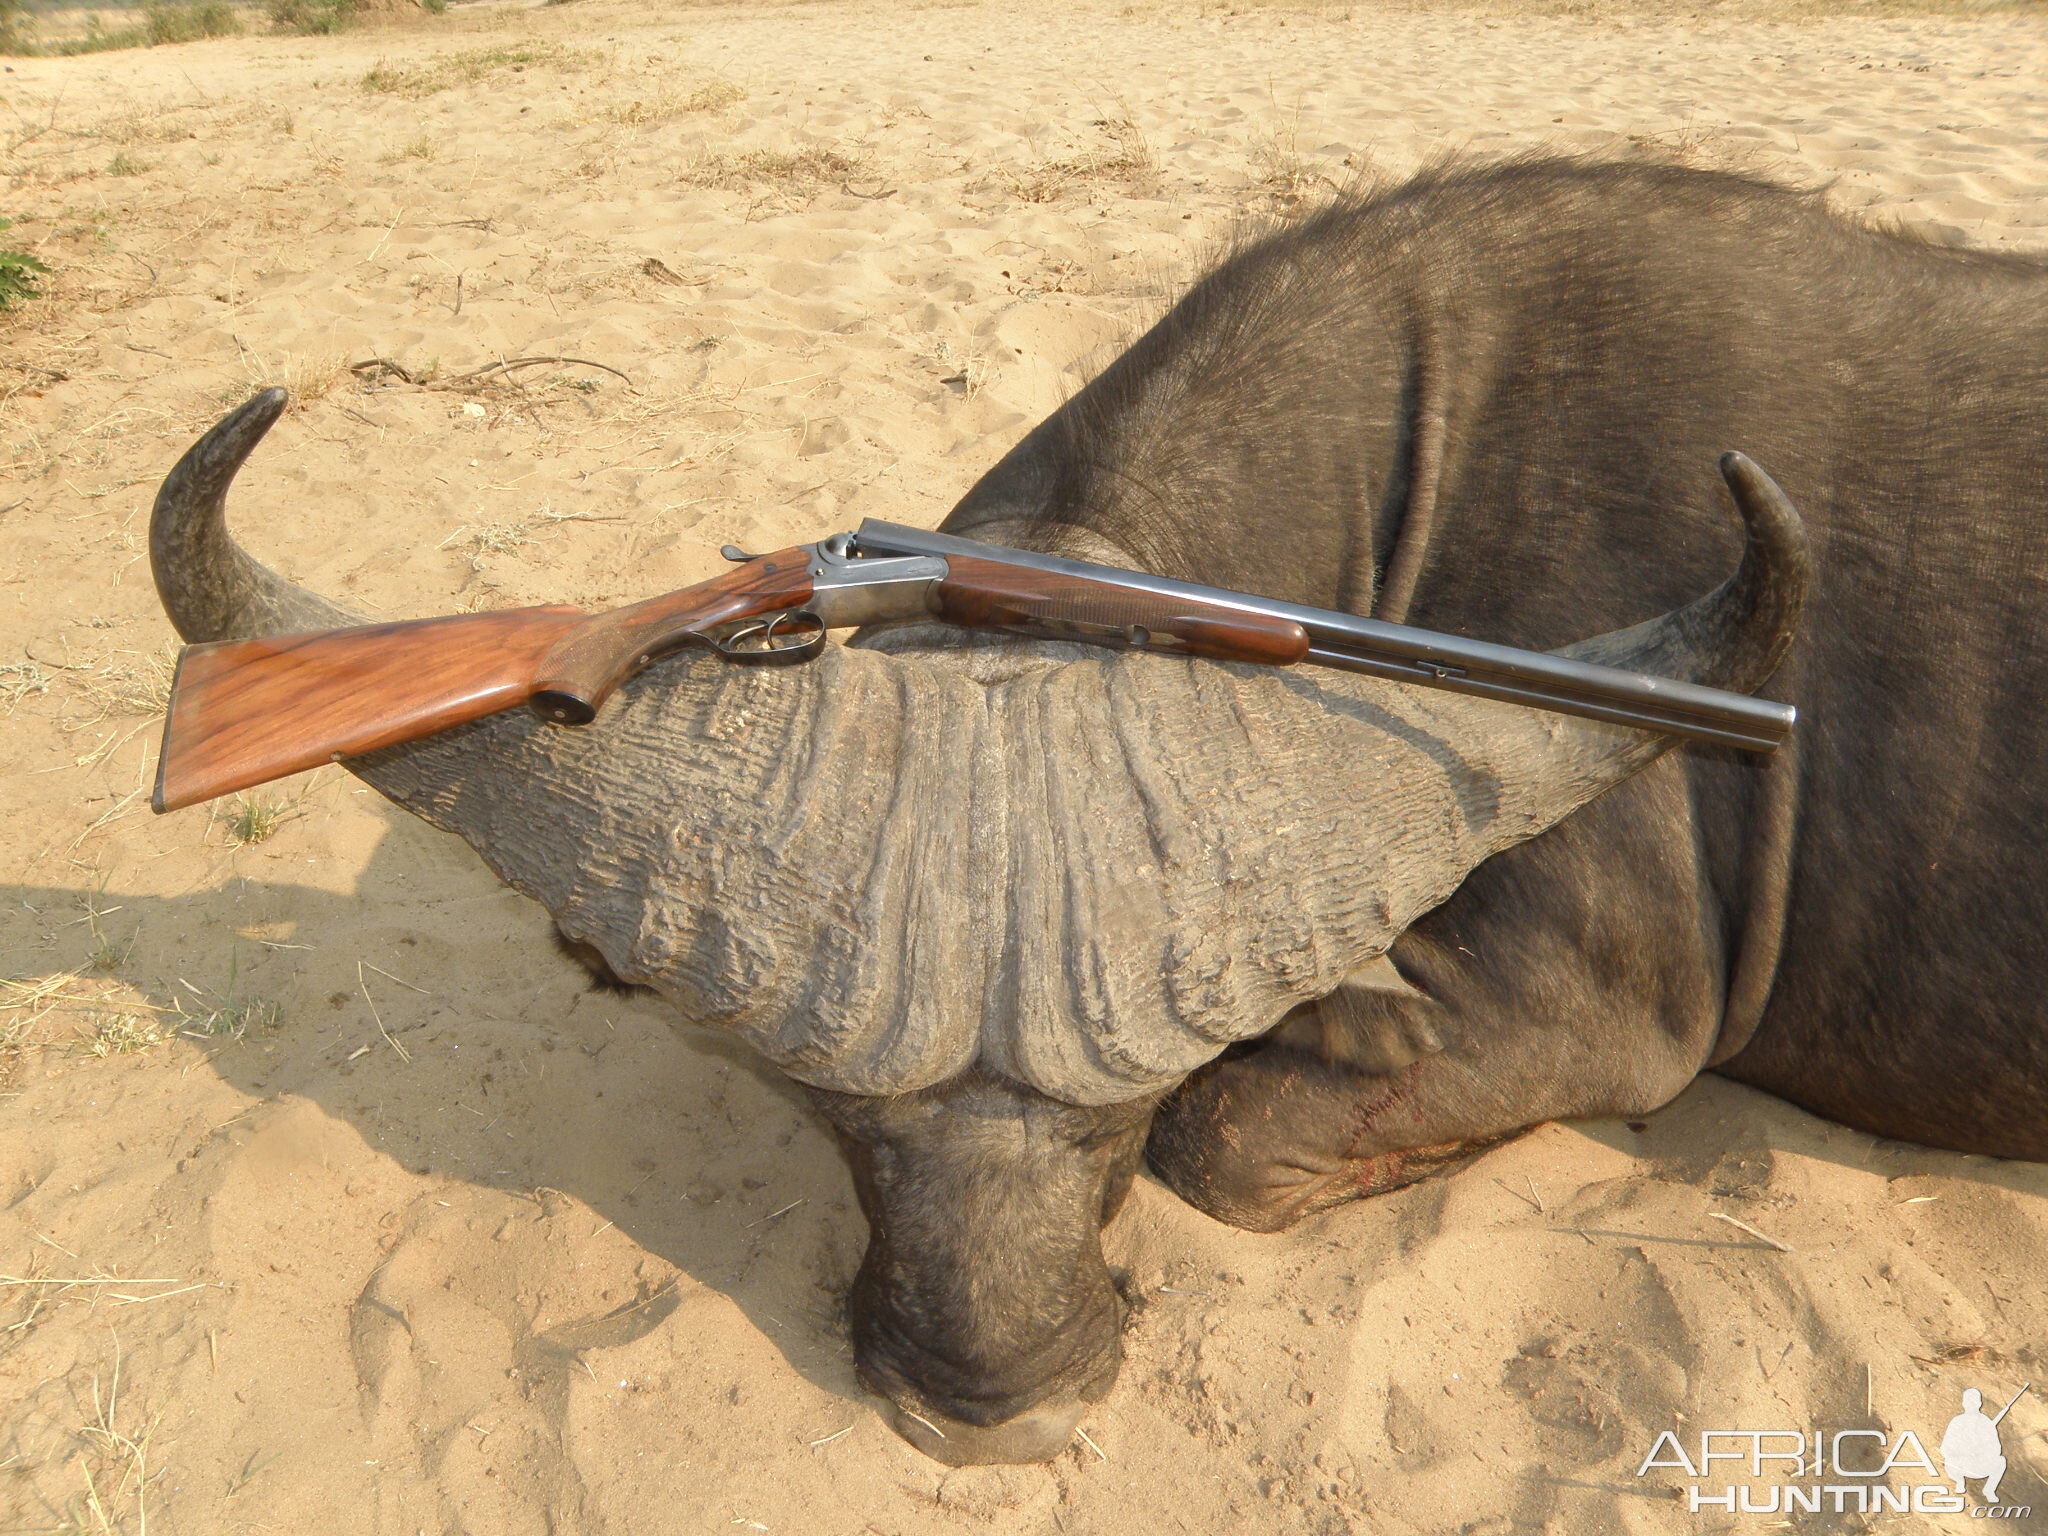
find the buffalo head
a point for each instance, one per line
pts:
(991, 902)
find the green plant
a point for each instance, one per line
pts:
(190, 22)
(236, 1016)
(125, 164)
(234, 1019)
(313, 18)
(254, 821)
(18, 274)
(97, 39)
(15, 26)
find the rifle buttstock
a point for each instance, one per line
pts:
(244, 712)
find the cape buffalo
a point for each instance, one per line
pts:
(1019, 914)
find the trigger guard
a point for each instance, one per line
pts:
(773, 652)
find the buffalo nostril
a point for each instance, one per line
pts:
(1039, 1434)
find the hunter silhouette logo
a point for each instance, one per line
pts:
(1849, 1471)
(1971, 1448)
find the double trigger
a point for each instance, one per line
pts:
(792, 635)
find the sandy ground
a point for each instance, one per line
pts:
(330, 1201)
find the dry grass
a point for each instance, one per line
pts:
(1129, 163)
(113, 1464)
(478, 542)
(305, 376)
(1704, 11)
(1285, 180)
(19, 680)
(801, 170)
(25, 1003)
(661, 107)
(423, 147)
(123, 1034)
(140, 687)
(488, 538)
(969, 370)
(169, 126)
(121, 683)
(116, 1022)
(413, 82)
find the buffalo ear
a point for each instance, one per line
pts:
(1376, 1022)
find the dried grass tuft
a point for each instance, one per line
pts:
(123, 1034)
(140, 685)
(785, 170)
(661, 107)
(414, 82)
(20, 680)
(971, 369)
(1130, 162)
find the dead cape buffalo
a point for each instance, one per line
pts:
(1020, 915)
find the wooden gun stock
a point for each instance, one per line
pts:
(244, 712)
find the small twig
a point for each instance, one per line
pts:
(423, 992)
(160, 1295)
(1783, 1355)
(772, 1214)
(363, 982)
(927, 1423)
(507, 365)
(1762, 1237)
(384, 365)
(1090, 1443)
(828, 1439)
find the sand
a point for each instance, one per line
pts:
(331, 1201)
